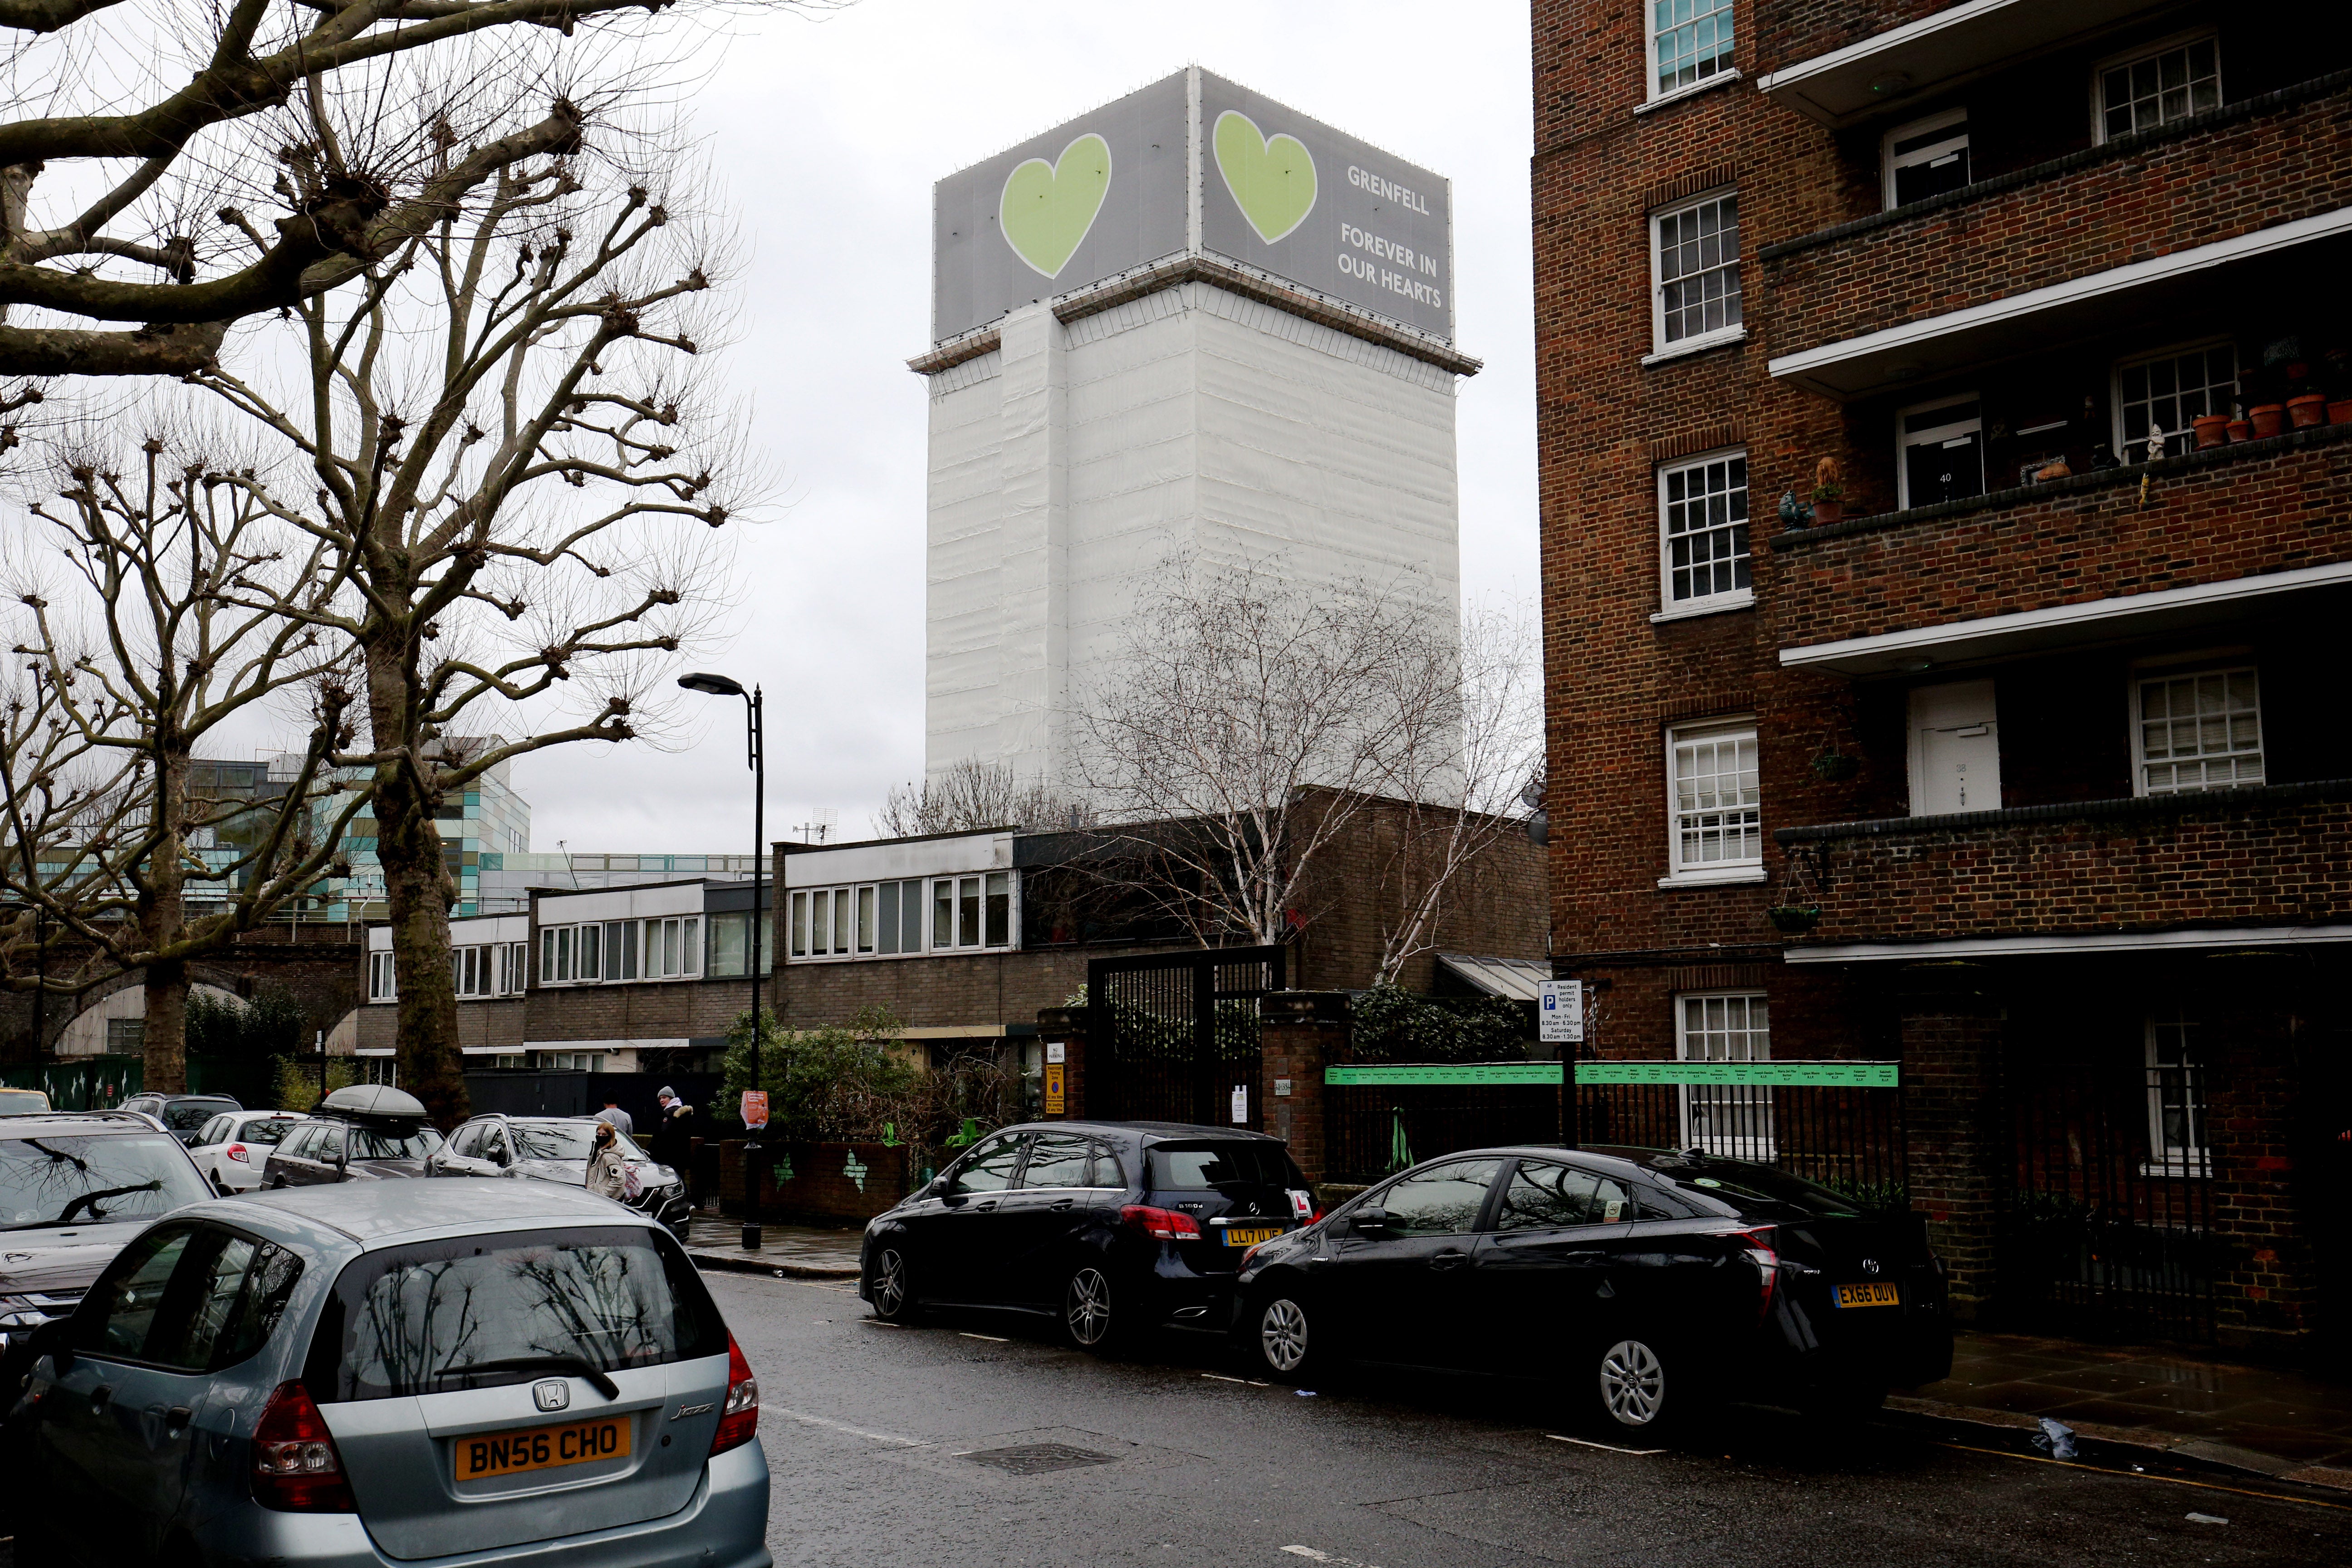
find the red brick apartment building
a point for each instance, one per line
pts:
(2027, 759)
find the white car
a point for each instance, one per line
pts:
(232, 1148)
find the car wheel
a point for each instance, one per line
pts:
(1638, 1385)
(1087, 1311)
(894, 1294)
(1285, 1338)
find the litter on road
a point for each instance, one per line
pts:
(2206, 1519)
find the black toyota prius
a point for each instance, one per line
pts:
(1648, 1282)
(1109, 1227)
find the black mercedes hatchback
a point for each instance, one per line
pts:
(1648, 1282)
(1109, 1227)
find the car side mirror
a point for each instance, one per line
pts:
(54, 1340)
(1368, 1220)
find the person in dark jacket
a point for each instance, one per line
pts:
(672, 1137)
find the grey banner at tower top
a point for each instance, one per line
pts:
(1107, 192)
(978, 273)
(1374, 230)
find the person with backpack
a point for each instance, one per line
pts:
(608, 1174)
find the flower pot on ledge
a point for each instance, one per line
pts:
(2268, 418)
(1794, 919)
(1828, 511)
(2340, 411)
(2212, 429)
(2306, 411)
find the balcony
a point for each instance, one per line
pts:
(1934, 53)
(2198, 539)
(2263, 867)
(2245, 201)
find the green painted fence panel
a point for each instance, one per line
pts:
(1784, 1075)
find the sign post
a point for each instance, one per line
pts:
(1560, 1012)
(1056, 1092)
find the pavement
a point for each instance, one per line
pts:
(974, 1440)
(2266, 1420)
(786, 1252)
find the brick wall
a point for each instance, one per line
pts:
(2269, 170)
(2195, 860)
(2207, 518)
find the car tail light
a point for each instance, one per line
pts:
(739, 1418)
(236, 1152)
(295, 1466)
(1766, 1259)
(1167, 1225)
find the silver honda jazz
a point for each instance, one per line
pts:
(378, 1371)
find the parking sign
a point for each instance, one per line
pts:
(1560, 1012)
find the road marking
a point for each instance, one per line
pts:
(844, 1426)
(1250, 1382)
(1314, 1556)
(1588, 1443)
(878, 1323)
(2142, 1474)
(991, 1339)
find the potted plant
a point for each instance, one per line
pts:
(1835, 765)
(2212, 429)
(1829, 492)
(2269, 418)
(2240, 427)
(2307, 409)
(1794, 919)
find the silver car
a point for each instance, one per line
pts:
(378, 1371)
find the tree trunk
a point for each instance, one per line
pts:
(417, 885)
(161, 913)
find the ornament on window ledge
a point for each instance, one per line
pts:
(2156, 439)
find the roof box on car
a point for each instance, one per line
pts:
(374, 1100)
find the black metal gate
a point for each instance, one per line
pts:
(1175, 1038)
(2108, 1227)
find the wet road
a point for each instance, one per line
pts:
(886, 1447)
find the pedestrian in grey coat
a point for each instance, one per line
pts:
(617, 1116)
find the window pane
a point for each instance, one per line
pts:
(132, 1304)
(866, 920)
(1546, 1196)
(1442, 1201)
(727, 943)
(841, 920)
(1706, 524)
(911, 915)
(799, 925)
(888, 922)
(1716, 804)
(620, 950)
(589, 967)
(1698, 268)
(2161, 88)
(1057, 1160)
(2200, 732)
(942, 914)
(1000, 908)
(820, 921)
(563, 952)
(967, 912)
(689, 946)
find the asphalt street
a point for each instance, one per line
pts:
(887, 1446)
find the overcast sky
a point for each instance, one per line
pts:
(827, 136)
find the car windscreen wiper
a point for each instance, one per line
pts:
(555, 1363)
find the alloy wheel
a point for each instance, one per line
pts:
(890, 1283)
(1633, 1383)
(1087, 1308)
(1282, 1335)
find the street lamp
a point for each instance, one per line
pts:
(755, 740)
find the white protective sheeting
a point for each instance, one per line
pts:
(1068, 465)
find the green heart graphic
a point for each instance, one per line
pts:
(1048, 208)
(1272, 181)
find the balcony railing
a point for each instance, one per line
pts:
(2279, 855)
(2066, 242)
(2256, 510)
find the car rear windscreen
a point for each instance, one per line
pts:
(94, 1181)
(1207, 1166)
(184, 1115)
(375, 1143)
(1759, 1190)
(511, 1307)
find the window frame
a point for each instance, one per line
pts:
(2236, 662)
(383, 979)
(2154, 50)
(1669, 607)
(1904, 441)
(1706, 872)
(1727, 68)
(1745, 1100)
(2153, 356)
(1661, 346)
(2164, 1158)
(1889, 161)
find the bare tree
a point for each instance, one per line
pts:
(517, 474)
(969, 794)
(1244, 730)
(129, 850)
(138, 135)
(1468, 739)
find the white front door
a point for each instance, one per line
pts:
(1954, 749)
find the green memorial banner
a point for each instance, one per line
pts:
(1772, 1075)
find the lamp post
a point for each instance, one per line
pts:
(755, 734)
